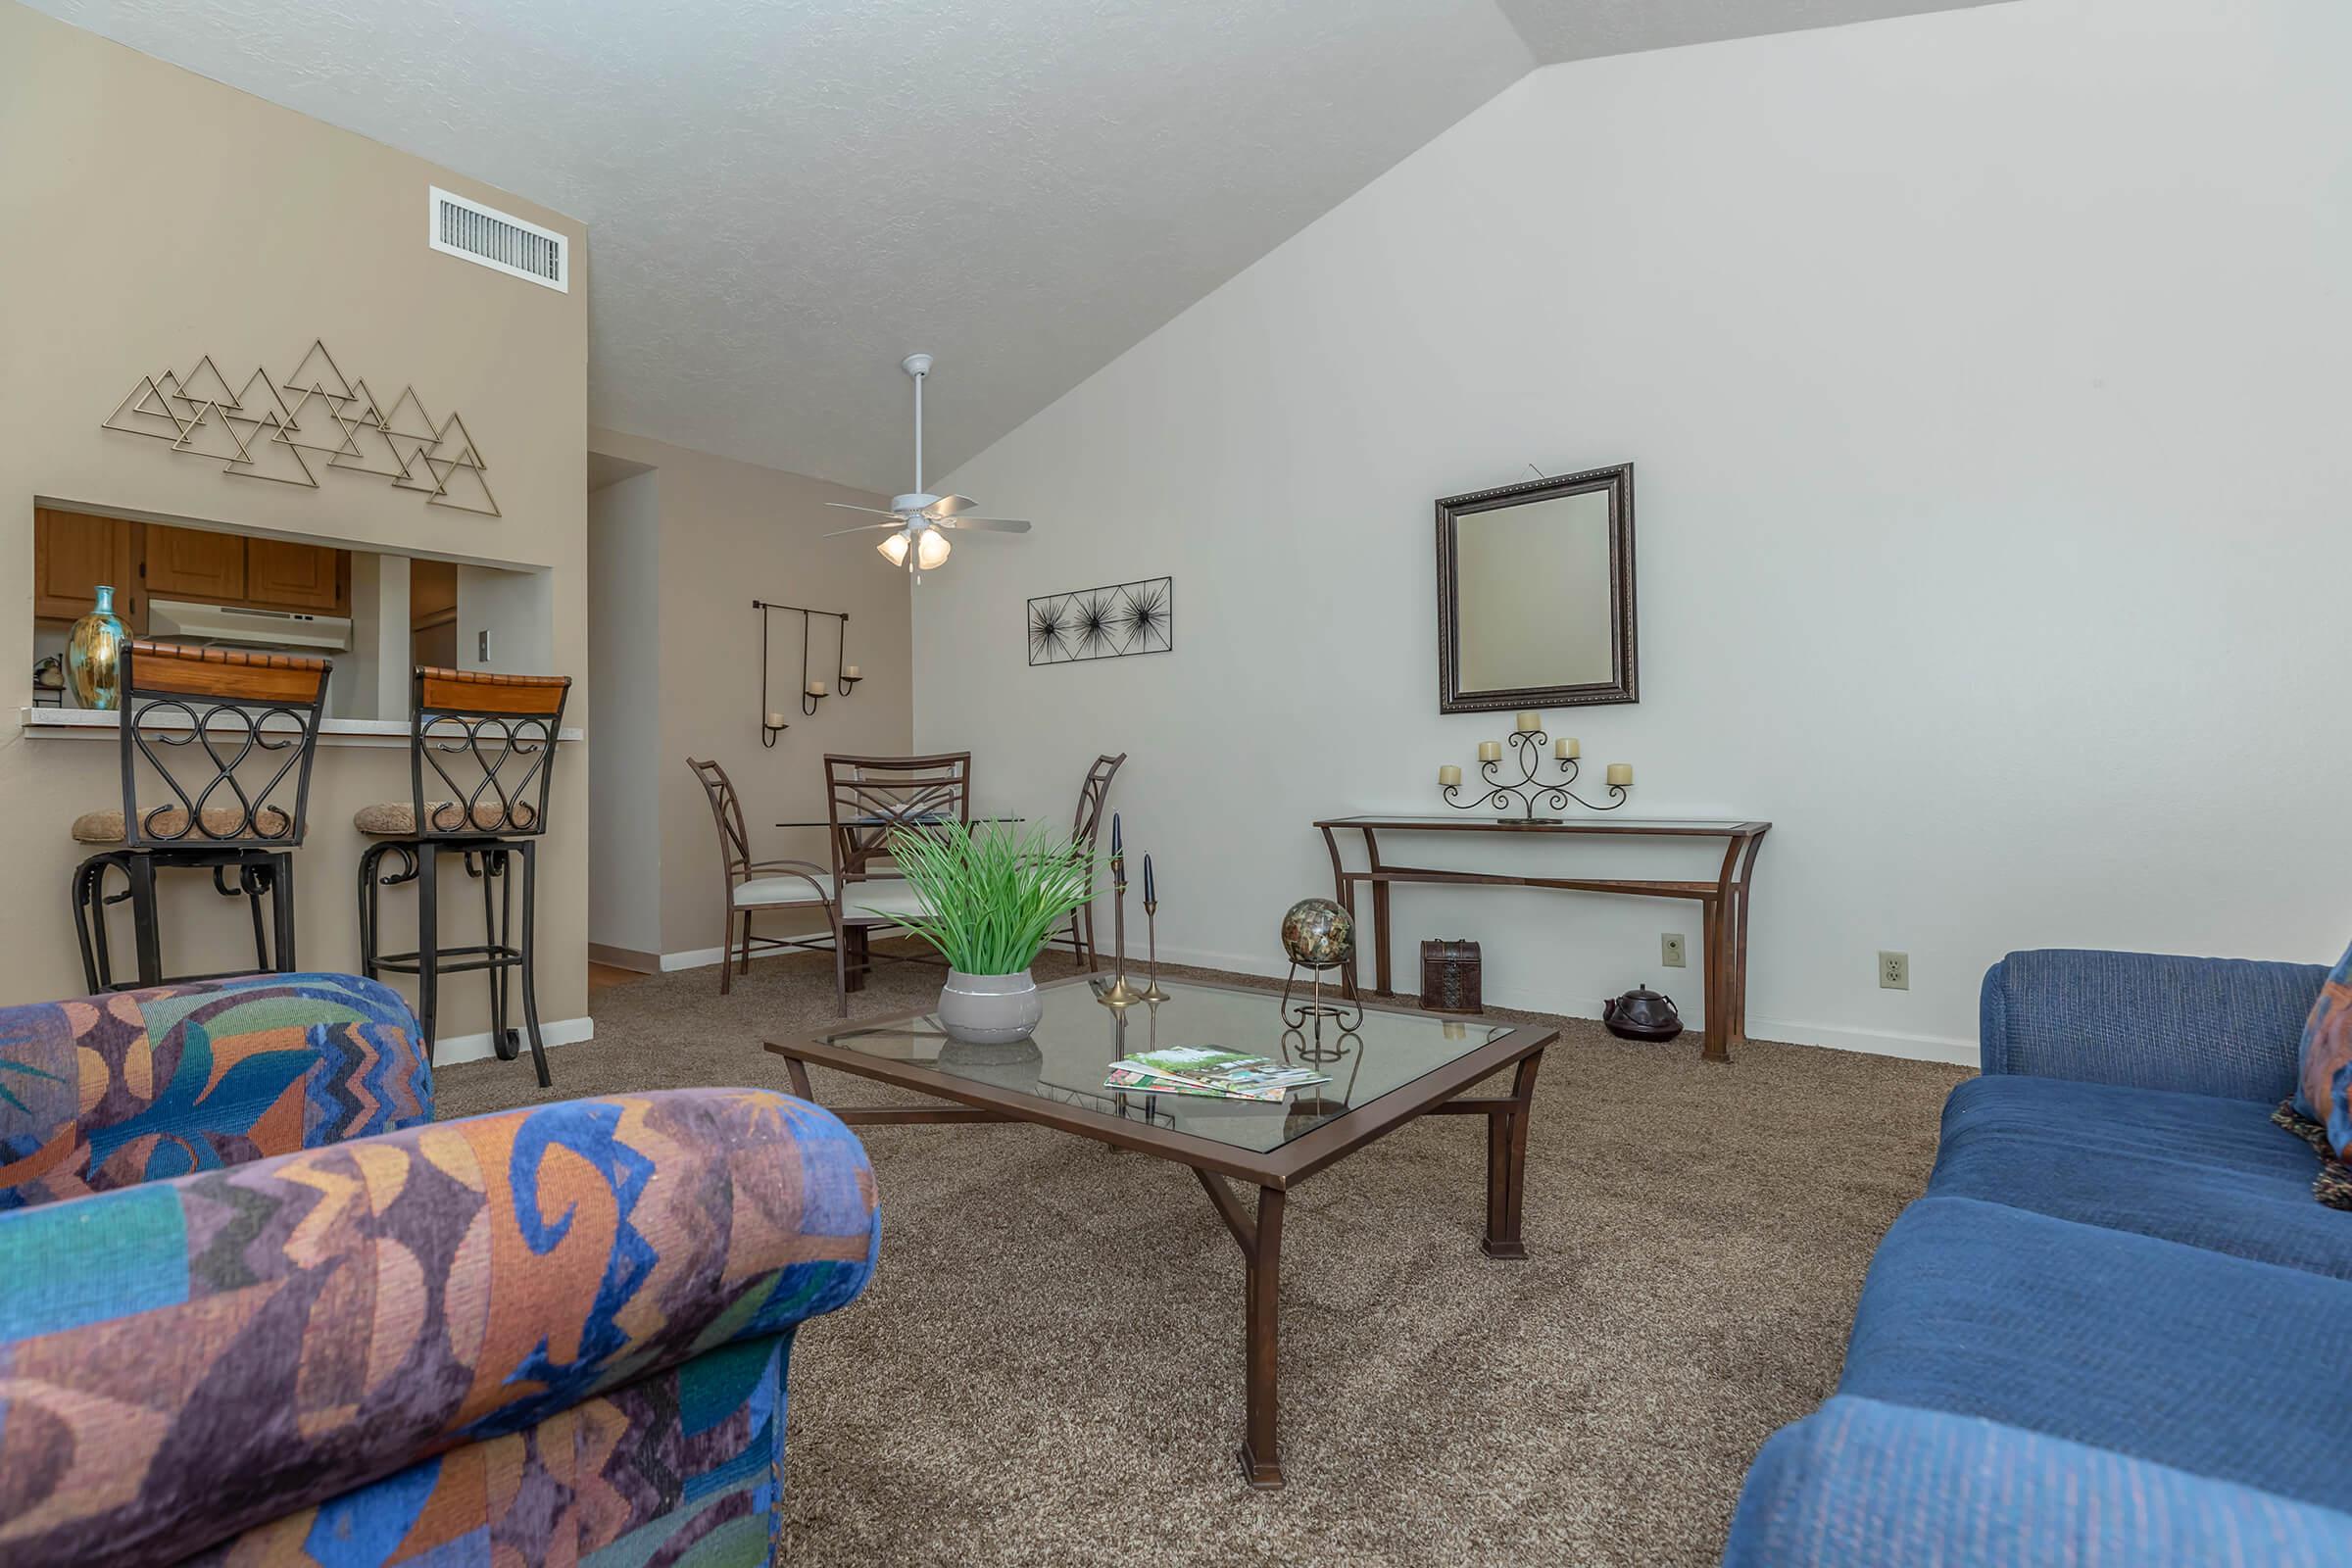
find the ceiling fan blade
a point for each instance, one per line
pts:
(990, 524)
(876, 511)
(950, 506)
(864, 528)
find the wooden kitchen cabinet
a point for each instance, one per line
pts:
(191, 564)
(72, 552)
(72, 555)
(280, 575)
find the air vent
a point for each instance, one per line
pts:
(499, 240)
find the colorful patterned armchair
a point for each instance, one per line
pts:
(256, 1306)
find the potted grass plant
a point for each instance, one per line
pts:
(991, 898)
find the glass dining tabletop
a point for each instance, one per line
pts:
(1074, 1044)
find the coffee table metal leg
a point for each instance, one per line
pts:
(1506, 1164)
(1261, 1454)
(1260, 1241)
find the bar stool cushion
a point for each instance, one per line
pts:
(397, 820)
(219, 822)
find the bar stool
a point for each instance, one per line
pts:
(218, 743)
(489, 741)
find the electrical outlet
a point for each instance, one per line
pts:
(1894, 970)
(1669, 949)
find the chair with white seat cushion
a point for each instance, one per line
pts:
(752, 887)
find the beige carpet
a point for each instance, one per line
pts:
(1047, 1367)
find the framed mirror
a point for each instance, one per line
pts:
(1536, 594)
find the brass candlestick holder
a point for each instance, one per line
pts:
(1152, 992)
(1118, 993)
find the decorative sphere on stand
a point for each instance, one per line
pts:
(1318, 933)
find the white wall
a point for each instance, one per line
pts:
(625, 723)
(1984, 373)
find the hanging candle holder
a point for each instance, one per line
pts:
(1496, 794)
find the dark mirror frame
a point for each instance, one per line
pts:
(1624, 686)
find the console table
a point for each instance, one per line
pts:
(1723, 902)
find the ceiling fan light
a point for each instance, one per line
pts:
(931, 552)
(894, 548)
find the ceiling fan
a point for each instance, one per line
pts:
(919, 521)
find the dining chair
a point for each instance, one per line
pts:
(752, 887)
(215, 747)
(1093, 800)
(867, 799)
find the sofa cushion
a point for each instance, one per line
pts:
(2214, 1364)
(1861, 1482)
(2324, 1059)
(2191, 1168)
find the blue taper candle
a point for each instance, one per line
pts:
(1115, 832)
(1148, 895)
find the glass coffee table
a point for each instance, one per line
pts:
(1389, 1068)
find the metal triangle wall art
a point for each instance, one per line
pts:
(262, 430)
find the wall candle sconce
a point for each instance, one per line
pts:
(772, 722)
(1498, 793)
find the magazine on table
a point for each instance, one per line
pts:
(1208, 1070)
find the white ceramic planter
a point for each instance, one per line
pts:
(988, 1009)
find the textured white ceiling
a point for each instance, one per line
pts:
(785, 197)
(1582, 30)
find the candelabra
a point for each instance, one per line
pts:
(1498, 793)
(1152, 992)
(1118, 993)
(772, 722)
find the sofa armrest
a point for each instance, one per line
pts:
(184, 1360)
(2204, 1026)
(1861, 1482)
(105, 1091)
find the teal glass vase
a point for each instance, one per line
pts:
(94, 654)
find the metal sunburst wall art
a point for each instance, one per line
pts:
(262, 430)
(1112, 622)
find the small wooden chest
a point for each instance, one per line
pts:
(1449, 976)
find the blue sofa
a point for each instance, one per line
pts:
(2117, 1328)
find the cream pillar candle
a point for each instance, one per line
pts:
(1621, 772)
(1567, 747)
(1530, 723)
(1449, 776)
(851, 672)
(816, 688)
(1490, 750)
(775, 722)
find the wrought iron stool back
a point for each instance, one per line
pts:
(222, 741)
(216, 748)
(481, 752)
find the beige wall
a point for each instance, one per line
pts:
(153, 217)
(732, 532)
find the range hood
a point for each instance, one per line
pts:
(226, 625)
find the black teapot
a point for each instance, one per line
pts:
(1641, 1014)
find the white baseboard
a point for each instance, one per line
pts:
(1869, 1042)
(1912, 1047)
(477, 1048)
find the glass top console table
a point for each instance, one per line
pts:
(1722, 901)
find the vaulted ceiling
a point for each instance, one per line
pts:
(785, 197)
